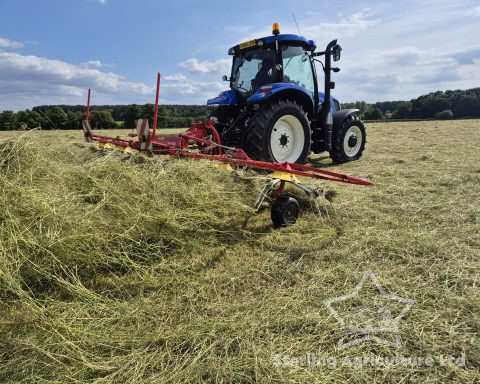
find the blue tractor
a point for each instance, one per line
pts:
(274, 110)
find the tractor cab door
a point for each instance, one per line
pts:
(252, 69)
(299, 69)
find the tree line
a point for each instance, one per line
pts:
(102, 117)
(435, 105)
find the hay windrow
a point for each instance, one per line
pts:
(116, 269)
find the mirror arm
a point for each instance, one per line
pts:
(319, 61)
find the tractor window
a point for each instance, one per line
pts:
(297, 68)
(254, 68)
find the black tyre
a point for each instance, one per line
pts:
(284, 211)
(348, 141)
(279, 131)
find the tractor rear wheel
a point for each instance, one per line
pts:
(279, 131)
(348, 141)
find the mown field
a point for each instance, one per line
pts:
(157, 270)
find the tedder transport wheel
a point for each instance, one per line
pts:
(348, 141)
(284, 211)
(279, 131)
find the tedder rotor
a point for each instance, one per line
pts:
(202, 141)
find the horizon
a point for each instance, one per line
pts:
(204, 105)
(102, 46)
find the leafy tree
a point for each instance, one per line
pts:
(404, 111)
(444, 115)
(102, 119)
(373, 114)
(361, 105)
(30, 119)
(74, 119)
(148, 111)
(8, 121)
(57, 118)
(466, 105)
(427, 106)
(386, 106)
(133, 113)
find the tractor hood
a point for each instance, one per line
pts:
(309, 44)
(224, 98)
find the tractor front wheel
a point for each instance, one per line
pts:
(348, 140)
(279, 131)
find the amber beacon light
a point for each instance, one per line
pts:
(276, 29)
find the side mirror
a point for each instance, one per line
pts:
(337, 49)
(225, 78)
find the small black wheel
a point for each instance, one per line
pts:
(285, 211)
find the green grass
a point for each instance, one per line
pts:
(158, 270)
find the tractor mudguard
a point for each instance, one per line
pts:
(287, 90)
(340, 116)
(224, 98)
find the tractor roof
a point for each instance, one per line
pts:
(296, 39)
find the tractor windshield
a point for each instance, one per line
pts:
(253, 68)
(297, 67)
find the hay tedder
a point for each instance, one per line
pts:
(275, 110)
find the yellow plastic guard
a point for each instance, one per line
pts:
(284, 176)
(109, 146)
(226, 166)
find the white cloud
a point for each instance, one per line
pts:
(346, 27)
(7, 43)
(29, 80)
(474, 12)
(195, 66)
(406, 72)
(180, 89)
(349, 26)
(466, 56)
(94, 63)
(178, 77)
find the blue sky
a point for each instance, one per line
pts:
(51, 51)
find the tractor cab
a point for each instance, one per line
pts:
(274, 108)
(258, 62)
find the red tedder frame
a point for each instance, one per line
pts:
(202, 141)
(88, 105)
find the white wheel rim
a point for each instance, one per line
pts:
(352, 132)
(287, 139)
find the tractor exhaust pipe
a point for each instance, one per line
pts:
(326, 116)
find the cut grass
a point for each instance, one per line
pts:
(158, 270)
